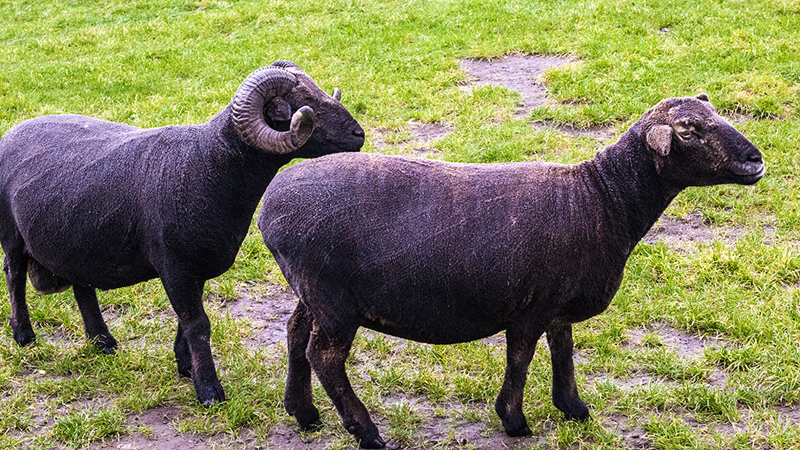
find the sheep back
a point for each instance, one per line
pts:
(434, 251)
(101, 203)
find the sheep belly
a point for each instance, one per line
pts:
(97, 248)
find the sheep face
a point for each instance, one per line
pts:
(335, 129)
(694, 146)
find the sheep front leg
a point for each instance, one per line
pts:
(15, 266)
(93, 323)
(186, 296)
(298, 398)
(520, 346)
(565, 389)
(327, 353)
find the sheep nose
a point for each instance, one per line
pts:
(359, 132)
(754, 157)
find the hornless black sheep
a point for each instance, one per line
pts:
(97, 204)
(441, 252)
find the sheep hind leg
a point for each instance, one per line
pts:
(565, 389)
(15, 266)
(520, 347)
(298, 398)
(327, 353)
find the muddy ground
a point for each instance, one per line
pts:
(269, 313)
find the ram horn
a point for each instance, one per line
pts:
(285, 65)
(248, 112)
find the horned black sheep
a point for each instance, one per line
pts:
(101, 205)
(442, 252)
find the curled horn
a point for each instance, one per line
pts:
(285, 64)
(248, 112)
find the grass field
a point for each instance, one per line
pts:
(699, 348)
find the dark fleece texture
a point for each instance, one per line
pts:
(442, 252)
(97, 204)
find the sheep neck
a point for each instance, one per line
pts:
(625, 177)
(240, 161)
(235, 175)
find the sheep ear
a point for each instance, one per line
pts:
(702, 97)
(277, 109)
(659, 138)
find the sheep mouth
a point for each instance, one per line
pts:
(750, 173)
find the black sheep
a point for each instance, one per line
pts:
(442, 253)
(102, 205)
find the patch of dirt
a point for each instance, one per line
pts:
(675, 232)
(428, 132)
(267, 308)
(634, 381)
(790, 413)
(160, 433)
(519, 73)
(524, 75)
(683, 344)
(422, 135)
(681, 234)
(596, 132)
(439, 420)
(634, 437)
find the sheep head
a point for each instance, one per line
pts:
(693, 146)
(280, 109)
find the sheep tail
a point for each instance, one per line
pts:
(44, 281)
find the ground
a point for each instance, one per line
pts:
(267, 308)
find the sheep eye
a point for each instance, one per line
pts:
(685, 135)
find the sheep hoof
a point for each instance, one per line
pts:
(516, 425)
(583, 417)
(209, 402)
(580, 412)
(25, 337)
(524, 430)
(375, 443)
(106, 344)
(313, 426)
(210, 395)
(309, 422)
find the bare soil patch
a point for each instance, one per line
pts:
(685, 345)
(682, 233)
(422, 134)
(519, 73)
(267, 308)
(524, 75)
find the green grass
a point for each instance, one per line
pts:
(169, 62)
